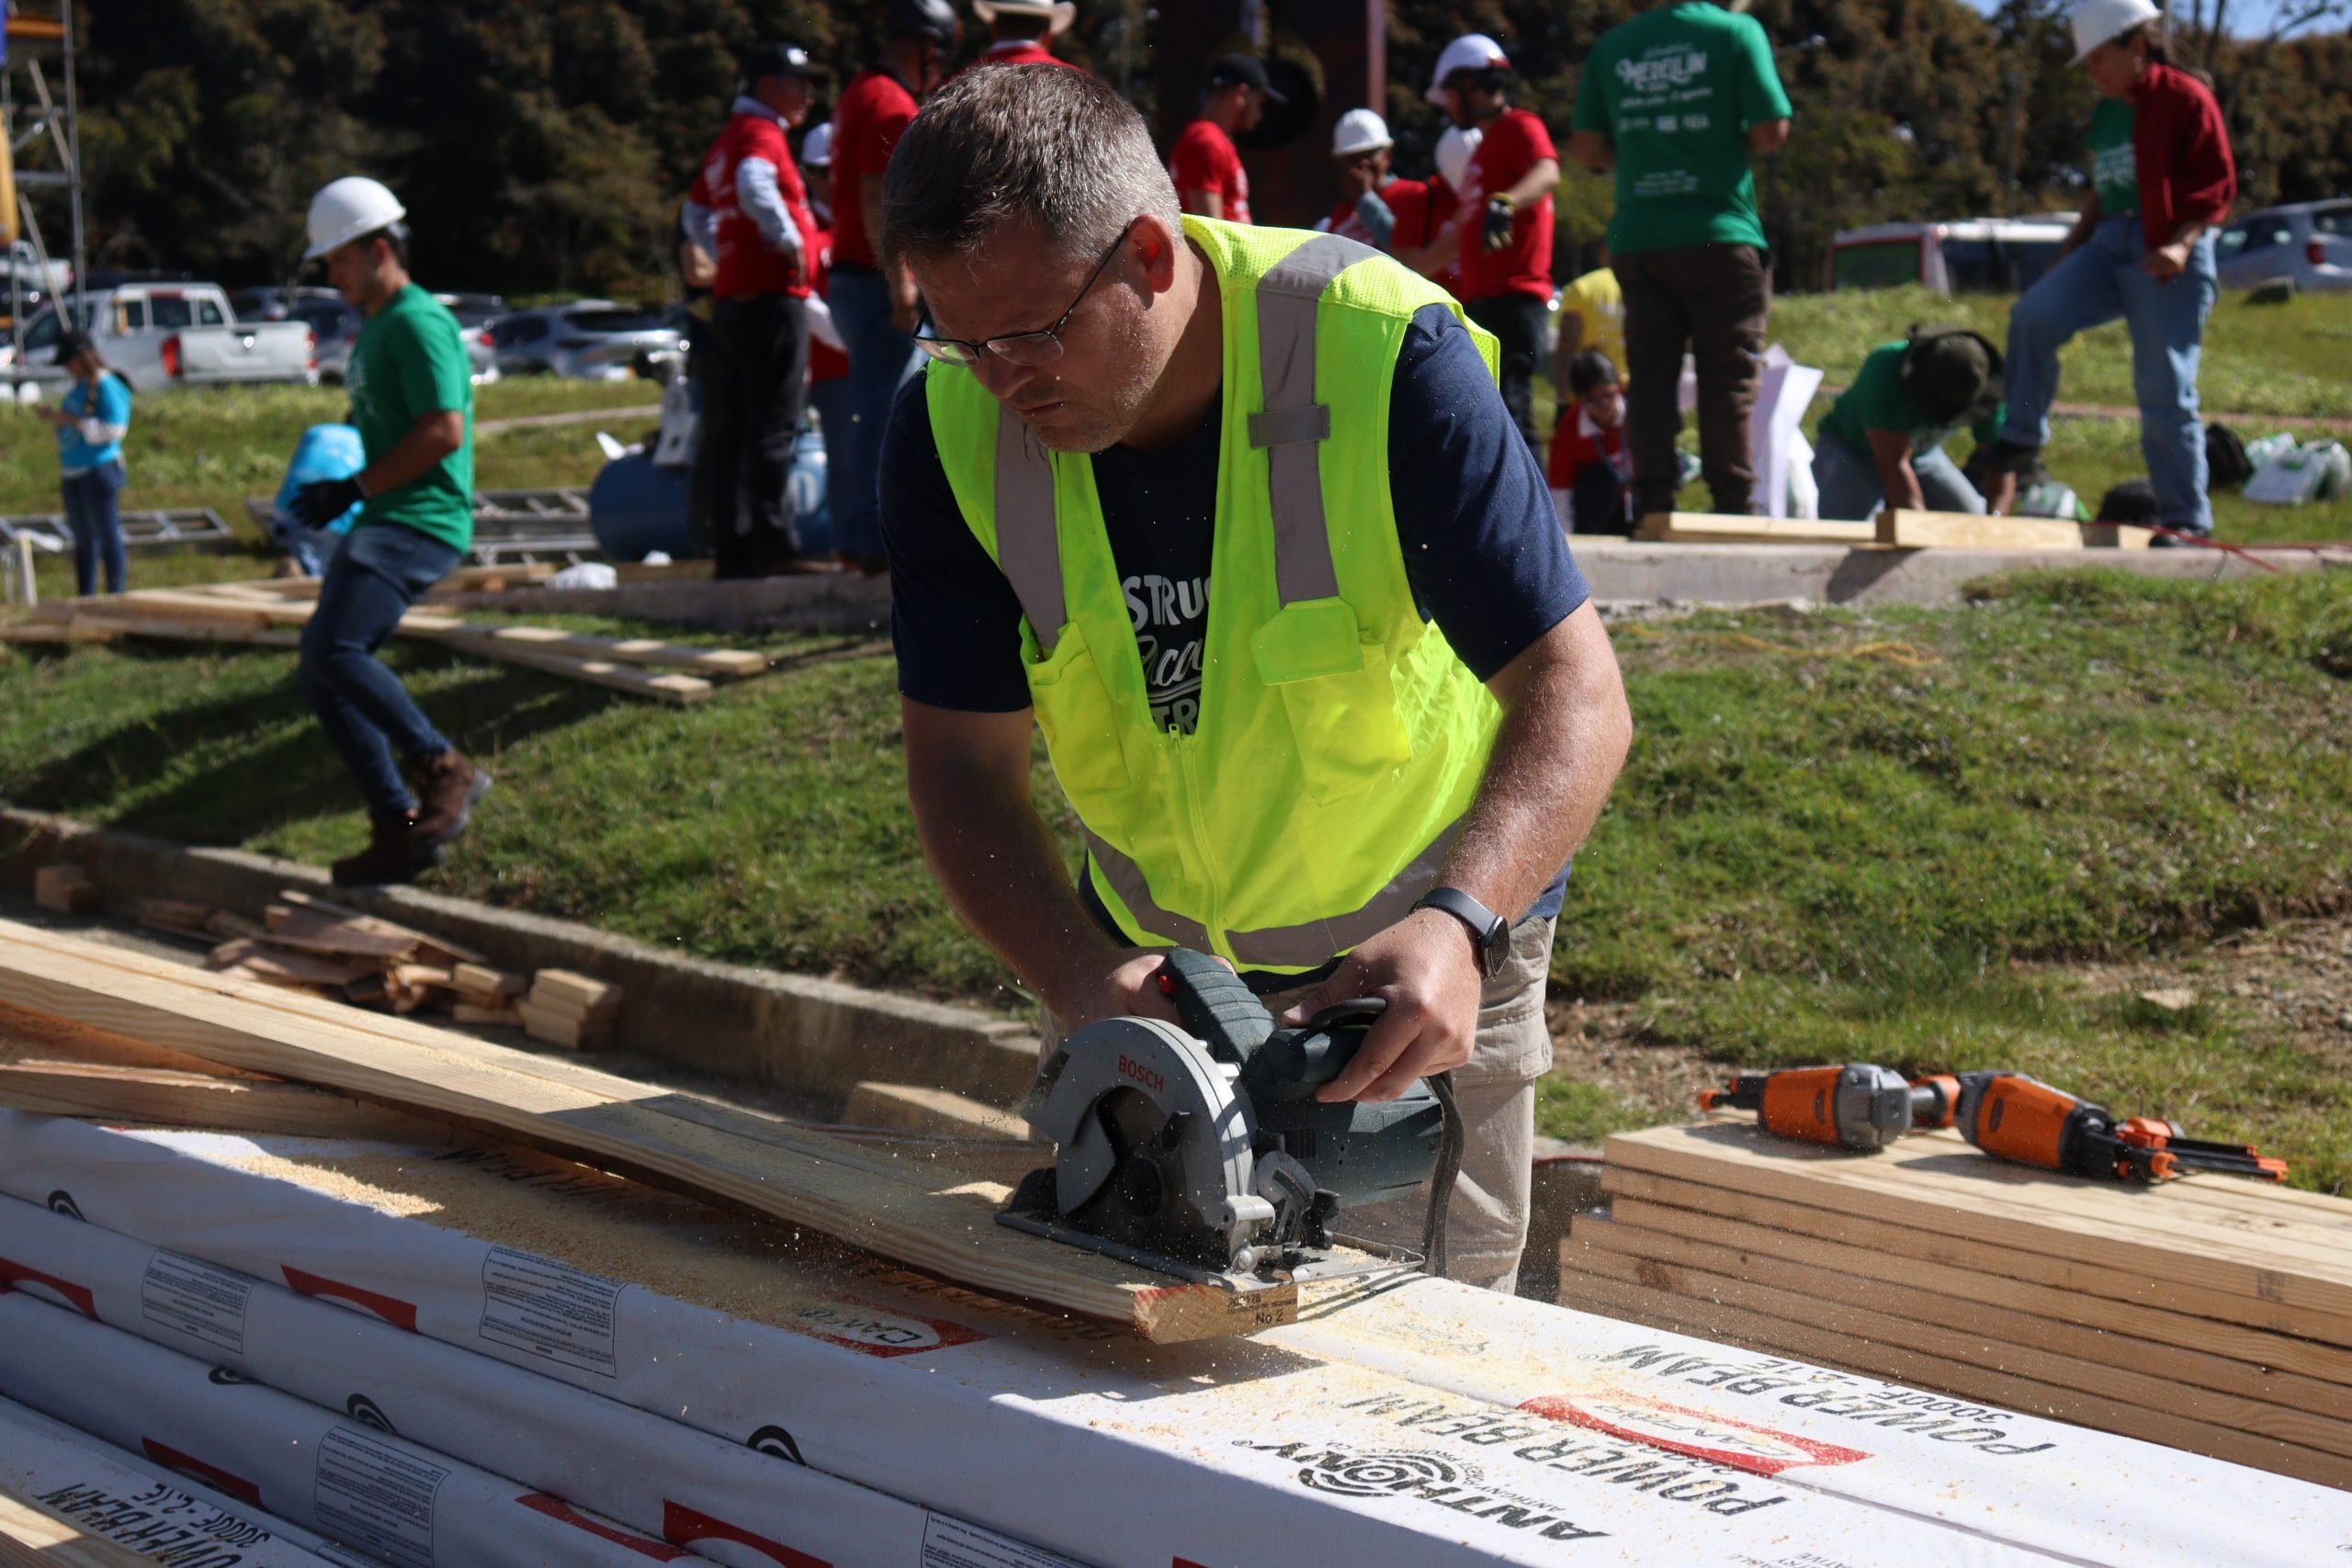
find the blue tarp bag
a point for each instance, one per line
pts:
(325, 452)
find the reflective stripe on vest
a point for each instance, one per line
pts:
(1302, 946)
(1292, 425)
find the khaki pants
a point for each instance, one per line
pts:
(1486, 1224)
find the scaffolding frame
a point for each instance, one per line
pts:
(36, 118)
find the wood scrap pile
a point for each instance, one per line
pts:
(2208, 1313)
(305, 943)
(272, 613)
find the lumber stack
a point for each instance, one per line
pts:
(2209, 1313)
(565, 1008)
(272, 613)
(1893, 528)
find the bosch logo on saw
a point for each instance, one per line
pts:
(1130, 1068)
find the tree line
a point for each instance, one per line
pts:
(544, 148)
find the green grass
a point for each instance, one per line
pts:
(1865, 837)
(2260, 360)
(213, 446)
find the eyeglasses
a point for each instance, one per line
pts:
(1020, 348)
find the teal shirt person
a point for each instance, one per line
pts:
(105, 413)
(2115, 168)
(410, 361)
(1676, 89)
(1879, 401)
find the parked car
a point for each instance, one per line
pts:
(590, 340)
(335, 327)
(163, 334)
(2308, 244)
(277, 301)
(1967, 256)
(476, 313)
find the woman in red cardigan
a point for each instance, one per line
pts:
(2142, 249)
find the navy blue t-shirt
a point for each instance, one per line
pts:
(1483, 548)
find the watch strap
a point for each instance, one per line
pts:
(1489, 932)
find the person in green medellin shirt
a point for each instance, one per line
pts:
(1677, 101)
(1882, 444)
(411, 397)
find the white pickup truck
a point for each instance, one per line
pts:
(167, 334)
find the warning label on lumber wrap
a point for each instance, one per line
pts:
(548, 1309)
(192, 1296)
(378, 1498)
(954, 1543)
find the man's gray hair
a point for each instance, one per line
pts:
(1046, 145)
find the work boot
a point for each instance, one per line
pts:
(447, 788)
(393, 855)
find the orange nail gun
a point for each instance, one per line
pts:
(2007, 1115)
(2013, 1117)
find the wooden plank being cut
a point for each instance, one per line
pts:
(2195, 1382)
(1966, 531)
(1959, 1268)
(164, 1098)
(711, 1151)
(1715, 528)
(2296, 1258)
(1594, 1291)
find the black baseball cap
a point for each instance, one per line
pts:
(1246, 70)
(781, 59)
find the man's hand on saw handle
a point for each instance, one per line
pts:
(1423, 966)
(1126, 984)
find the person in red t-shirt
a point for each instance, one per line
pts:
(1374, 207)
(1020, 27)
(1204, 164)
(875, 314)
(1505, 218)
(1590, 466)
(751, 207)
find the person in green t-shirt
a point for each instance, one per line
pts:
(1677, 101)
(411, 397)
(1882, 444)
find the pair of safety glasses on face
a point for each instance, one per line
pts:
(1020, 348)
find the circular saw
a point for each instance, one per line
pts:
(1200, 1150)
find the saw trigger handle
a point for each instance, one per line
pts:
(1293, 1062)
(1217, 1008)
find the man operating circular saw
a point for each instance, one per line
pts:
(1238, 518)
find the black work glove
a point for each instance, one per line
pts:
(1496, 236)
(316, 505)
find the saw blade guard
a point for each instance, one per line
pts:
(1154, 1143)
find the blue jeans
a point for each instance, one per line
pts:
(381, 569)
(95, 521)
(1851, 491)
(2100, 282)
(880, 358)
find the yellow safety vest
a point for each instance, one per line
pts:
(1341, 739)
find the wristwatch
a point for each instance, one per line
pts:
(1489, 932)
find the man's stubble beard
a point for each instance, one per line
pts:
(1124, 400)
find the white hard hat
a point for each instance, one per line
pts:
(2097, 21)
(817, 147)
(1062, 12)
(1454, 146)
(1360, 131)
(1471, 52)
(345, 208)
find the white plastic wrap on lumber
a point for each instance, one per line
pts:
(1426, 1424)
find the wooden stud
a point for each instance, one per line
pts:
(65, 890)
(554, 1027)
(312, 931)
(1906, 529)
(565, 990)
(1710, 528)
(438, 949)
(505, 1014)
(481, 980)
